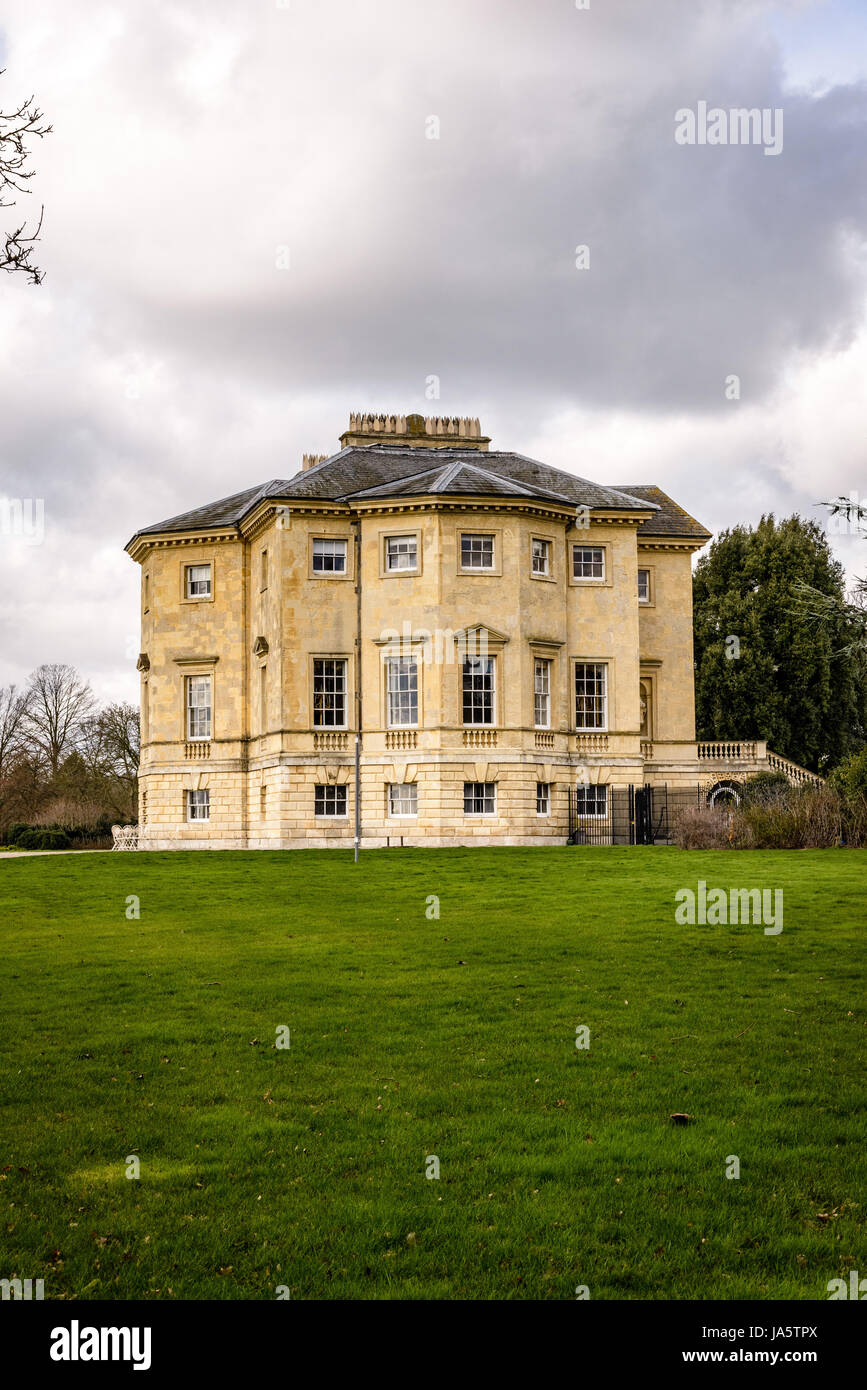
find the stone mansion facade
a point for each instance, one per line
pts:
(420, 639)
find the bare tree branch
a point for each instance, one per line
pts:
(59, 703)
(17, 129)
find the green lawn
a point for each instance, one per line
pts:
(411, 1037)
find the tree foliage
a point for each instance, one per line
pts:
(764, 667)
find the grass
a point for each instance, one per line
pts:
(414, 1036)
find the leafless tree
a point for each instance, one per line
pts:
(12, 707)
(120, 725)
(58, 705)
(17, 129)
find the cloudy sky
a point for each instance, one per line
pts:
(172, 357)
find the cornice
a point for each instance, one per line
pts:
(689, 543)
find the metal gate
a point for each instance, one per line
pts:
(626, 815)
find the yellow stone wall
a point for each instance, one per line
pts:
(665, 628)
(297, 617)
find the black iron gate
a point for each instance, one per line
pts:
(603, 815)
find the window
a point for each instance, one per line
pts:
(329, 693)
(480, 798)
(263, 801)
(147, 593)
(479, 690)
(329, 557)
(198, 581)
(588, 562)
(591, 695)
(592, 801)
(330, 801)
(263, 698)
(198, 707)
(402, 689)
(401, 553)
(403, 799)
(542, 693)
(264, 569)
(477, 552)
(541, 552)
(199, 805)
(144, 808)
(644, 586)
(543, 798)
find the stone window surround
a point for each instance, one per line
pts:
(331, 533)
(542, 649)
(195, 666)
(551, 576)
(608, 662)
(208, 558)
(607, 581)
(650, 601)
(349, 691)
(392, 533)
(496, 534)
(402, 655)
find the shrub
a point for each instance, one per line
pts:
(776, 817)
(765, 787)
(850, 778)
(702, 827)
(805, 817)
(33, 837)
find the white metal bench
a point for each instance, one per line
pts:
(124, 836)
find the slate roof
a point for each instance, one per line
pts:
(376, 470)
(670, 520)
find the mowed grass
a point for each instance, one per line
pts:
(414, 1036)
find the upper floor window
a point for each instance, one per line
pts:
(198, 583)
(477, 552)
(198, 707)
(263, 570)
(644, 586)
(329, 556)
(542, 693)
(329, 693)
(588, 562)
(541, 552)
(402, 691)
(401, 553)
(479, 689)
(591, 695)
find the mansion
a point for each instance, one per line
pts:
(421, 641)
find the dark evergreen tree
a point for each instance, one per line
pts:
(765, 668)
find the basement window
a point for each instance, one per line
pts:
(330, 801)
(480, 798)
(198, 805)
